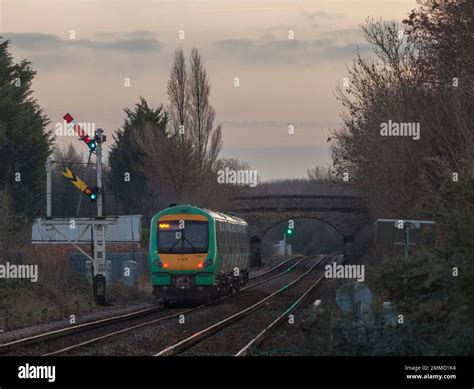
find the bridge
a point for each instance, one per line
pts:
(346, 214)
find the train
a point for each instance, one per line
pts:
(197, 254)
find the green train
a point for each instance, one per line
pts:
(196, 254)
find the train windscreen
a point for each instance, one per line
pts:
(183, 236)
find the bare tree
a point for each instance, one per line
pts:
(178, 95)
(320, 173)
(180, 164)
(413, 79)
(193, 143)
(190, 112)
(382, 89)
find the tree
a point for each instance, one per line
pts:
(183, 158)
(426, 77)
(423, 76)
(206, 138)
(443, 33)
(14, 231)
(223, 192)
(320, 173)
(127, 178)
(24, 142)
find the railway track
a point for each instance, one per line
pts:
(100, 324)
(271, 270)
(198, 337)
(79, 328)
(270, 328)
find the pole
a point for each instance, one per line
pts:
(100, 260)
(48, 186)
(99, 172)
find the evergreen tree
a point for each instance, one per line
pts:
(24, 142)
(125, 158)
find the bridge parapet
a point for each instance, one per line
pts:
(306, 203)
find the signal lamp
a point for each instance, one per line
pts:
(91, 143)
(165, 265)
(92, 193)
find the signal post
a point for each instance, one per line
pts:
(98, 224)
(100, 267)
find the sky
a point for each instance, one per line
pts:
(282, 82)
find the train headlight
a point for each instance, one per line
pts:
(157, 263)
(208, 262)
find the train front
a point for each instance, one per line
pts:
(182, 253)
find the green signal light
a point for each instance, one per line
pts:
(289, 231)
(92, 193)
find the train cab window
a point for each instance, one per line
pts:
(194, 238)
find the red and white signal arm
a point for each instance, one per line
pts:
(90, 142)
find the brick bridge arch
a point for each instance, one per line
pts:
(346, 214)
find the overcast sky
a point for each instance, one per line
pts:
(282, 81)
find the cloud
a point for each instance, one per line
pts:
(33, 40)
(335, 46)
(135, 41)
(321, 15)
(130, 34)
(128, 45)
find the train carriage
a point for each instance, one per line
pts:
(197, 254)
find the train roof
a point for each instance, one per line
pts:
(224, 217)
(214, 214)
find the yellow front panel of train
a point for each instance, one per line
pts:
(183, 241)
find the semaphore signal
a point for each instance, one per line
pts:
(98, 224)
(90, 142)
(92, 193)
